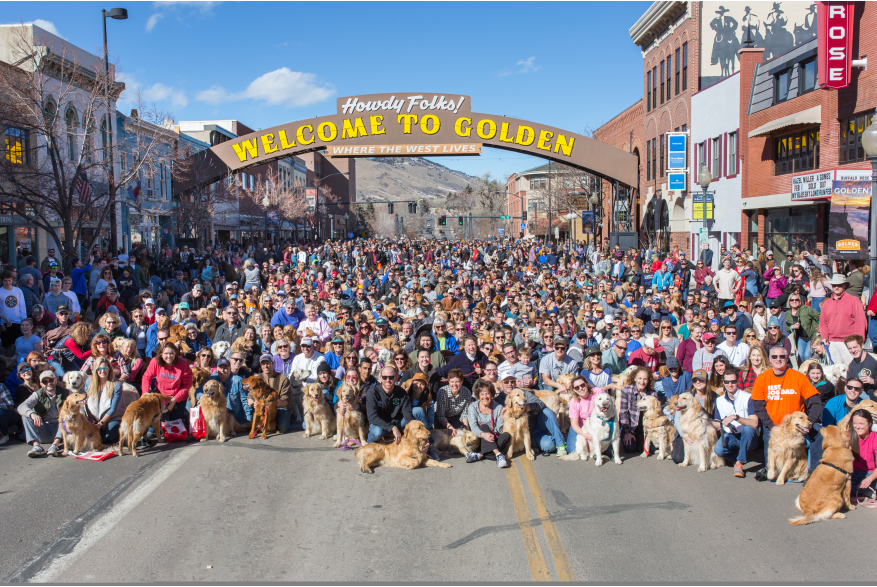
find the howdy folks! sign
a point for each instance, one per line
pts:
(417, 124)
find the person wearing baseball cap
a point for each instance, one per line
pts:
(705, 355)
(279, 383)
(650, 355)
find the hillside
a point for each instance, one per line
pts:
(406, 178)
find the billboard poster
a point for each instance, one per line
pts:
(588, 222)
(848, 219)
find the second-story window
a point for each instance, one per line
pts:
(781, 83)
(807, 76)
(677, 72)
(669, 77)
(654, 87)
(732, 153)
(716, 168)
(662, 82)
(684, 66)
(16, 145)
(851, 130)
(661, 168)
(797, 152)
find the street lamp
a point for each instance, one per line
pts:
(704, 177)
(266, 202)
(571, 216)
(869, 143)
(117, 14)
(594, 201)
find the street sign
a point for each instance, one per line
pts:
(704, 235)
(272, 215)
(523, 226)
(676, 180)
(556, 232)
(501, 230)
(704, 246)
(504, 217)
(676, 147)
(702, 206)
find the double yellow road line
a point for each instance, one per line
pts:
(538, 566)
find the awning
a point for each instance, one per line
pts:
(809, 116)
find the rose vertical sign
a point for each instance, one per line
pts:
(834, 32)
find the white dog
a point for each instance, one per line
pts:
(220, 349)
(604, 429)
(74, 381)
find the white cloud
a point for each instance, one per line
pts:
(163, 93)
(522, 66)
(214, 95)
(202, 7)
(153, 20)
(281, 87)
(46, 25)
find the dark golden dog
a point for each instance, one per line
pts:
(827, 491)
(140, 416)
(265, 406)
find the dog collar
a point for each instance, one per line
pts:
(836, 468)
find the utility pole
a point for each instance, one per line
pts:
(471, 231)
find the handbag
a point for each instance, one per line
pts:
(197, 424)
(174, 431)
(678, 452)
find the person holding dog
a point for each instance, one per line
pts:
(735, 416)
(388, 407)
(580, 408)
(40, 414)
(103, 394)
(781, 391)
(485, 417)
(279, 383)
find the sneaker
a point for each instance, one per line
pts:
(561, 451)
(473, 457)
(738, 470)
(433, 455)
(36, 452)
(501, 461)
(54, 451)
(4, 439)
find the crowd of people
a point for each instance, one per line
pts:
(442, 331)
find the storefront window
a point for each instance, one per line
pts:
(791, 229)
(4, 243)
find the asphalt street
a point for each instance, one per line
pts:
(295, 509)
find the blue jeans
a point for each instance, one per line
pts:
(816, 303)
(545, 431)
(6, 416)
(858, 477)
(739, 443)
(283, 420)
(804, 350)
(872, 331)
(376, 432)
(109, 434)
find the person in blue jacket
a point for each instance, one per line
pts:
(235, 394)
(839, 406)
(80, 286)
(290, 315)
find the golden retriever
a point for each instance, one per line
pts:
(207, 321)
(140, 416)
(787, 451)
(318, 416)
(658, 429)
(264, 408)
(464, 442)
(516, 423)
(557, 404)
(409, 453)
(827, 490)
(350, 423)
(77, 432)
(199, 377)
(214, 408)
(74, 381)
(694, 423)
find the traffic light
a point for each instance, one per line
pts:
(390, 208)
(412, 207)
(443, 220)
(524, 216)
(461, 221)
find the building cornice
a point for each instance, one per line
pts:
(659, 16)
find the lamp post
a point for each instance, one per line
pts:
(118, 14)
(869, 143)
(704, 178)
(594, 200)
(266, 202)
(570, 217)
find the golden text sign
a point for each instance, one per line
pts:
(404, 150)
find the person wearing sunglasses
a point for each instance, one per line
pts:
(40, 413)
(837, 408)
(388, 407)
(781, 391)
(734, 415)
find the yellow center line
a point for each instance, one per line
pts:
(538, 567)
(555, 544)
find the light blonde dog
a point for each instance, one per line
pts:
(77, 432)
(318, 416)
(464, 442)
(658, 429)
(787, 449)
(557, 404)
(694, 423)
(350, 423)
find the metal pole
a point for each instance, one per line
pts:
(873, 252)
(114, 241)
(548, 230)
(471, 228)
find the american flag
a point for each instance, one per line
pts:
(83, 188)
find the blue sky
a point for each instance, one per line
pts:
(571, 65)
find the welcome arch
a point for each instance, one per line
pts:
(417, 124)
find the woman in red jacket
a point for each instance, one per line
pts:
(170, 374)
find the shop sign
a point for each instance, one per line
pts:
(5, 218)
(818, 186)
(834, 34)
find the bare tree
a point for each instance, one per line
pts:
(485, 196)
(56, 175)
(200, 205)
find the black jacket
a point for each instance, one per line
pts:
(386, 411)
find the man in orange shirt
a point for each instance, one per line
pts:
(781, 391)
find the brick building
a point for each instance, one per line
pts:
(789, 126)
(668, 34)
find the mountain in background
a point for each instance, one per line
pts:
(406, 178)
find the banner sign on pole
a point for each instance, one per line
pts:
(848, 219)
(588, 222)
(700, 209)
(676, 148)
(834, 34)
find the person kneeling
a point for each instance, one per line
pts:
(485, 419)
(738, 422)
